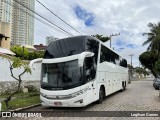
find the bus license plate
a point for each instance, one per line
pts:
(58, 103)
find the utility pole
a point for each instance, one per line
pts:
(130, 69)
(112, 36)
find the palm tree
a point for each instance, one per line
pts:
(153, 38)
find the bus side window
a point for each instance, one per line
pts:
(90, 68)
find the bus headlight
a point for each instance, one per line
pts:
(78, 93)
(43, 94)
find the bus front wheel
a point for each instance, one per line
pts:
(101, 95)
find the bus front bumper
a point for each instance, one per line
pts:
(78, 101)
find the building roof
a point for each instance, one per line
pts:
(6, 51)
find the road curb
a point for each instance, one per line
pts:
(24, 108)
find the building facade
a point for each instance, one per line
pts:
(5, 23)
(23, 23)
(40, 47)
(50, 39)
(5, 33)
(5, 11)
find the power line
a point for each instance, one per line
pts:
(58, 17)
(42, 17)
(30, 28)
(40, 20)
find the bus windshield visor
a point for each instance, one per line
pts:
(61, 75)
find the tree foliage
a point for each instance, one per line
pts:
(148, 59)
(101, 37)
(24, 54)
(20, 52)
(141, 71)
(157, 66)
(35, 55)
(16, 63)
(153, 38)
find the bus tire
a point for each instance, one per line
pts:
(123, 87)
(101, 95)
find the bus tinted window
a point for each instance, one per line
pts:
(105, 54)
(112, 57)
(93, 46)
(123, 63)
(90, 70)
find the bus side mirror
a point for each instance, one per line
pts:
(82, 56)
(34, 61)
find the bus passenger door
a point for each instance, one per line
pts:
(90, 72)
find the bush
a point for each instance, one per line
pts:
(31, 88)
(9, 92)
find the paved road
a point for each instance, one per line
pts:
(139, 96)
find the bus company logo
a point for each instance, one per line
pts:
(6, 114)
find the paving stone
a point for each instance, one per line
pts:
(139, 96)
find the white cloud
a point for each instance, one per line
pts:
(129, 17)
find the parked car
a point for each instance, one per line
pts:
(156, 83)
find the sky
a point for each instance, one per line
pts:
(105, 17)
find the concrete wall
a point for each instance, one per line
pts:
(5, 74)
(9, 84)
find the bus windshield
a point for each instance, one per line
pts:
(61, 75)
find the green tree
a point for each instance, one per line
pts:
(142, 71)
(139, 70)
(149, 59)
(20, 52)
(157, 67)
(153, 38)
(16, 63)
(24, 54)
(101, 37)
(35, 55)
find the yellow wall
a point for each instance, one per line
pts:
(5, 28)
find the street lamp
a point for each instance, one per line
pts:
(130, 68)
(112, 36)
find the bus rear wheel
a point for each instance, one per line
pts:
(101, 95)
(123, 86)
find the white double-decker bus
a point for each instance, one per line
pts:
(77, 71)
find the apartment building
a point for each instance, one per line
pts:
(5, 24)
(22, 23)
